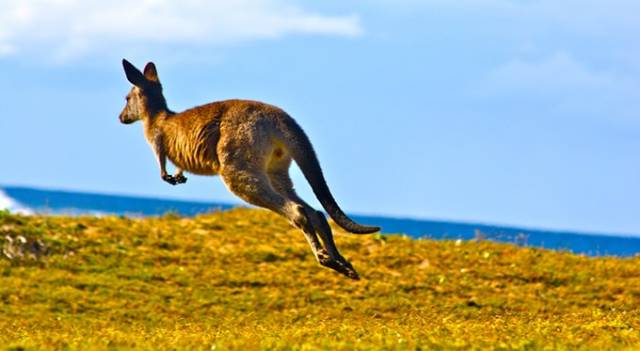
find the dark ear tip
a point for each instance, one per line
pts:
(150, 66)
(150, 72)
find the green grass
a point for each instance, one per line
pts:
(244, 279)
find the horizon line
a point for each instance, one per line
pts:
(524, 228)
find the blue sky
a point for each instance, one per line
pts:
(508, 112)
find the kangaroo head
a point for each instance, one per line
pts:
(145, 100)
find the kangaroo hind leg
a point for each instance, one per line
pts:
(330, 257)
(255, 188)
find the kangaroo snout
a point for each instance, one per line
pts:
(125, 120)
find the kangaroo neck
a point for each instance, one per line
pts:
(153, 124)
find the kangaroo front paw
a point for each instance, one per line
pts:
(180, 179)
(169, 179)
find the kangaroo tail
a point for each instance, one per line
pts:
(304, 155)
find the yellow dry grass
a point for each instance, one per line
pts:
(244, 279)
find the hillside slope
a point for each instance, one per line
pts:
(244, 279)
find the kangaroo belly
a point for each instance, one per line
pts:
(196, 165)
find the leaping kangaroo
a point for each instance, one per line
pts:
(250, 145)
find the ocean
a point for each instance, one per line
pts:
(38, 201)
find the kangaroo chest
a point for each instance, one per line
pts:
(193, 147)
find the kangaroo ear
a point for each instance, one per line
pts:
(150, 72)
(134, 76)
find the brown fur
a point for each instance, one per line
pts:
(251, 145)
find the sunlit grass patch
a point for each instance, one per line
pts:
(244, 279)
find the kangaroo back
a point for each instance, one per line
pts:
(302, 152)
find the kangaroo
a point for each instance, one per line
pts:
(250, 144)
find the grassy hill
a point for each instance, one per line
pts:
(244, 279)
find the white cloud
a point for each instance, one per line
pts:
(559, 73)
(68, 28)
(564, 84)
(617, 18)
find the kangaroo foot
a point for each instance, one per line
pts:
(341, 266)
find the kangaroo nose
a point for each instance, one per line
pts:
(124, 120)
